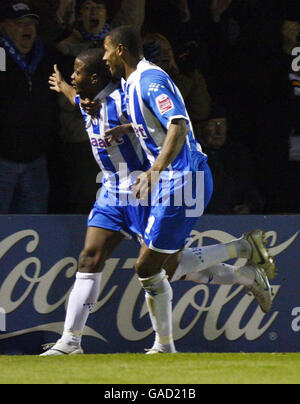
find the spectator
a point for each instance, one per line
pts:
(92, 26)
(28, 113)
(56, 19)
(291, 39)
(213, 28)
(167, 17)
(190, 81)
(76, 158)
(258, 96)
(290, 33)
(233, 168)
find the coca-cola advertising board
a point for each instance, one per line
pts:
(38, 263)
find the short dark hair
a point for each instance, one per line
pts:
(93, 58)
(128, 36)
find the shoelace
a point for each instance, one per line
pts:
(48, 346)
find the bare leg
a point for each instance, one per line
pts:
(99, 245)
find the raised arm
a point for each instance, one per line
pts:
(58, 84)
(132, 12)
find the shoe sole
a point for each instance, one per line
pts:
(155, 351)
(61, 353)
(262, 306)
(265, 307)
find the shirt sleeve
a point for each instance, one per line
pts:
(162, 97)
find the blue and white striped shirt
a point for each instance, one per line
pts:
(120, 161)
(153, 101)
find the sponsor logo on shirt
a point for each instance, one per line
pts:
(164, 103)
(101, 143)
(139, 131)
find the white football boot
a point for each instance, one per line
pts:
(158, 348)
(62, 348)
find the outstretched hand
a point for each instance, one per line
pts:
(66, 11)
(218, 7)
(56, 80)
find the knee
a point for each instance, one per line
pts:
(89, 262)
(141, 269)
(146, 270)
(149, 263)
(157, 284)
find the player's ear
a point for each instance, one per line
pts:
(120, 50)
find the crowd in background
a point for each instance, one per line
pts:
(232, 61)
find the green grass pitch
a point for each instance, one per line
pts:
(152, 369)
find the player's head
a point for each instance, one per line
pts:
(90, 74)
(92, 14)
(121, 45)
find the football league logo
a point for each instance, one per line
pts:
(164, 103)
